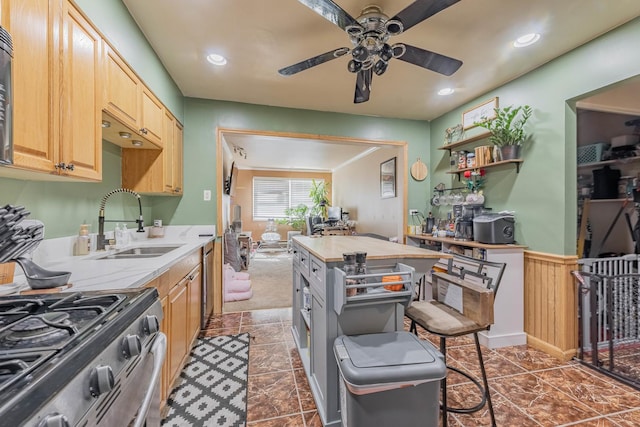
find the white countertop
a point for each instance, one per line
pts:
(91, 274)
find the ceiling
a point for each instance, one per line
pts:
(260, 37)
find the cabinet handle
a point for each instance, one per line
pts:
(60, 165)
(71, 166)
(143, 131)
(315, 270)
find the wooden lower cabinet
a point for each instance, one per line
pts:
(180, 291)
(178, 333)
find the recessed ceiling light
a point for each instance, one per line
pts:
(526, 40)
(106, 124)
(216, 59)
(446, 91)
(136, 143)
(125, 135)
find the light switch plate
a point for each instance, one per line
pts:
(207, 195)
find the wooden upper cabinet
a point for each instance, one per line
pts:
(169, 142)
(152, 171)
(81, 133)
(178, 159)
(56, 90)
(135, 109)
(34, 26)
(152, 116)
(123, 90)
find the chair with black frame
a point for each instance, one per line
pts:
(477, 281)
(314, 225)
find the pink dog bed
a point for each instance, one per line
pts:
(237, 286)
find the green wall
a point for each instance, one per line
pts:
(543, 194)
(63, 206)
(202, 117)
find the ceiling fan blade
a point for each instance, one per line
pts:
(331, 12)
(363, 86)
(430, 60)
(312, 62)
(420, 10)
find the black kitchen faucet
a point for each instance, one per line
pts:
(100, 244)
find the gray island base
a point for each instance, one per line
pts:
(323, 309)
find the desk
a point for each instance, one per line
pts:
(336, 230)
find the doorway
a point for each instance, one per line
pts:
(296, 152)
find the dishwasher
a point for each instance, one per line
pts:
(207, 283)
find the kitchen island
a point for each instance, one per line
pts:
(323, 309)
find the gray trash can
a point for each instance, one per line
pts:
(388, 379)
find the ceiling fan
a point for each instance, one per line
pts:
(369, 35)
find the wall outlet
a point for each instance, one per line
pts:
(207, 195)
(413, 211)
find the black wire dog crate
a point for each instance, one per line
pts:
(609, 316)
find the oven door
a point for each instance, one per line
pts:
(135, 396)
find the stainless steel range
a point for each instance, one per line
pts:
(81, 359)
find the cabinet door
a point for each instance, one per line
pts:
(178, 306)
(167, 154)
(165, 329)
(318, 350)
(122, 90)
(194, 286)
(81, 95)
(178, 159)
(35, 28)
(152, 115)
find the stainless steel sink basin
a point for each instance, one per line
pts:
(140, 252)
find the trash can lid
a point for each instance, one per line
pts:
(387, 357)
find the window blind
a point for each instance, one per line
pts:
(271, 196)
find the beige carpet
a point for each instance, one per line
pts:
(271, 281)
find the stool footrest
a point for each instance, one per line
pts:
(472, 409)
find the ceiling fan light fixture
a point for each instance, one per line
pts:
(398, 50)
(386, 53)
(354, 30)
(394, 27)
(216, 59)
(526, 40)
(446, 91)
(360, 53)
(354, 66)
(380, 67)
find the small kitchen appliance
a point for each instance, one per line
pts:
(494, 228)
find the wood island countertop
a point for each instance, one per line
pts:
(331, 248)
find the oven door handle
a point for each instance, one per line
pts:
(159, 350)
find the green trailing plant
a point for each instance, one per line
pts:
(295, 217)
(319, 194)
(507, 128)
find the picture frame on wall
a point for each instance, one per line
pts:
(388, 179)
(471, 117)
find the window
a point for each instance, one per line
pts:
(271, 196)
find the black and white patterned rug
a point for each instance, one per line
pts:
(212, 388)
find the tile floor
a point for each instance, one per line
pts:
(529, 388)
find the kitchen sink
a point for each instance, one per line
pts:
(140, 252)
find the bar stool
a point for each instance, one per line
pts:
(446, 322)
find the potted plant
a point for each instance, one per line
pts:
(296, 217)
(320, 196)
(507, 129)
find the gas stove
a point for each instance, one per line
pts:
(71, 359)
